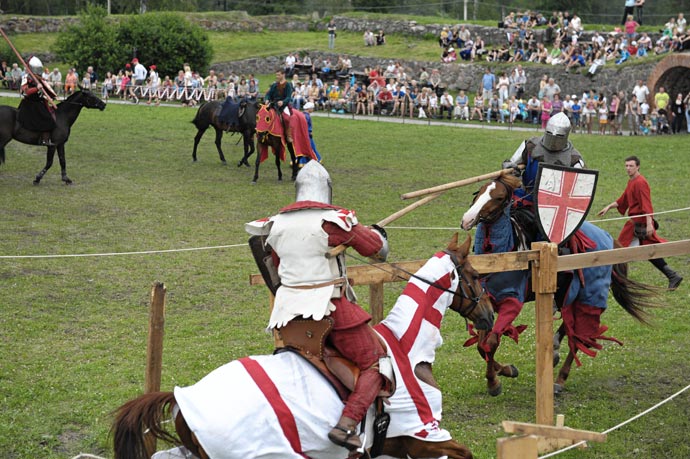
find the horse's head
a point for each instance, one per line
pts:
(470, 300)
(265, 117)
(86, 99)
(490, 201)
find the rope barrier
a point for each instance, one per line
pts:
(195, 249)
(637, 416)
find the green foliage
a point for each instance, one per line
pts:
(165, 39)
(92, 41)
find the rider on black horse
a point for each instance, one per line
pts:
(36, 112)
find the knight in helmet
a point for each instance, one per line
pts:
(313, 285)
(552, 148)
(36, 111)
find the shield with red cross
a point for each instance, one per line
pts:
(563, 198)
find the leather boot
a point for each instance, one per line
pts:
(345, 434)
(674, 279)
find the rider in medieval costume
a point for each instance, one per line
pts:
(508, 290)
(35, 112)
(314, 286)
(279, 96)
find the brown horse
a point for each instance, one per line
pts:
(208, 115)
(271, 133)
(579, 293)
(65, 115)
(280, 403)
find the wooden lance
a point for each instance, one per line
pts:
(458, 184)
(28, 69)
(335, 251)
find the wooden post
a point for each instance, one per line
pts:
(544, 273)
(154, 350)
(376, 302)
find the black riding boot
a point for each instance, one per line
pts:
(674, 279)
(45, 139)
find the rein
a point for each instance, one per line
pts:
(473, 296)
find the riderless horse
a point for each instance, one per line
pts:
(271, 132)
(280, 406)
(209, 115)
(65, 115)
(499, 231)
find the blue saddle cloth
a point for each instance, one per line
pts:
(230, 113)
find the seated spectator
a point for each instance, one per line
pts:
(461, 109)
(509, 21)
(108, 87)
(361, 103)
(467, 51)
(55, 80)
(478, 108)
(533, 109)
(385, 101)
(449, 55)
(446, 105)
(443, 41)
(479, 48)
(463, 36)
(494, 109)
(433, 105)
(576, 60)
(369, 39)
(598, 62)
(380, 38)
(575, 25)
(15, 80)
(71, 82)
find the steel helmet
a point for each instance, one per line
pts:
(35, 64)
(557, 129)
(313, 183)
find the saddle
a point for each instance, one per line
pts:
(307, 338)
(230, 113)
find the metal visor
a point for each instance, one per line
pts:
(563, 198)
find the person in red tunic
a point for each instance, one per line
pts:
(314, 286)
(641, 228)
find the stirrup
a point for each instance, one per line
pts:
(345, 442)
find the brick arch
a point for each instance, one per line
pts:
(673, 73)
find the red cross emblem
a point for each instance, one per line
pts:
(564, 197)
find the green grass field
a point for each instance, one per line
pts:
(73, 330)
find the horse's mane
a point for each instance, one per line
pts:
(510, 180)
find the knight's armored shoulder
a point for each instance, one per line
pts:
(576, 157)
(533, 149)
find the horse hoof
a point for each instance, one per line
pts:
(557, 389)
(67, 180)
(225, 163)
(253, 182)
(36, 181)
(496, 390)
(240, 164)
(247, 164)
(514, 373)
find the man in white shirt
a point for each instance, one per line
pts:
(641, 91)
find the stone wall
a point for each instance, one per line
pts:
(458, 76)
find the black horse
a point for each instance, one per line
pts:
(65, 115)
(209, 115)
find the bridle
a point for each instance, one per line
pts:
(496, 213)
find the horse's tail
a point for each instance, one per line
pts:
(635, 297)
(138, 422)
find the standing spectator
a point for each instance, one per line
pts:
(369, 39)
(108, 85)
(154, 84)
(518, 80)
(661, 100)
(641, 91)
(551, 89)
(631, 28)
(603, 117)
(556, 105)
(614, 108)
(503, 86)
(641, 228)
(576, 111)
(488, 85)
(686, 101)
(629, 10)
(139, 80)
(16, 77)
(589, 112)
(632, 112)
(331, 34)
(639, 6)
(678, 110)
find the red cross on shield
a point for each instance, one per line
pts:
(563, 198)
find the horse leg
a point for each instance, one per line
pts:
(257, 163)
(487, 346)
(280, 172)
(63, 164)
(557, 340)
(248, 149)
(293, 159)
(219, 137)
(197, 139)
(50, 154)
(408, 447)
(563, 373)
